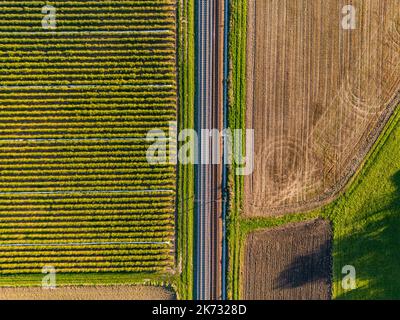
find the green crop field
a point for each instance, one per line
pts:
(76, 103)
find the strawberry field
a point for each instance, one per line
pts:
(76, 103)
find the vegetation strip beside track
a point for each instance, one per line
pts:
(185, 183)
(236, 120)
(365, 223)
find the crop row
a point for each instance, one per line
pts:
(71, 220)
(121, 208)
(56, 177)
(115, 9)
(107, 127)
(90, 28)
(79, 183)
(136, 196)
(143, 216)
(117, 91)
(102, 214)
(68, 165)
(79, 52)
(92, 103)
(52, 252)
(77, 93)
(84, 59)
(140, 197)
(36, 230)
(49, 238)
(90, 203)
(133, 4)
(92, 186)
(88, 109)
(83, 269)
(95, 198)
(90, 214)
(135, 22)
(77, 66)
(70, 124)
(77, 159)
(59, 265)
(70, 168)
(84, 66)
(87, 72)
(86, 119)
(156, 39)
(87, 178)
(84, 247)
(85, 172)
(63, 259)
(45, 156)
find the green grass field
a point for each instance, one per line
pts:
(366, 221)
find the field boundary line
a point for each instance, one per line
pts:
(87, 32)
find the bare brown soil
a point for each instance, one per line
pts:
(124, 292)
(317, 97)
(288, 263)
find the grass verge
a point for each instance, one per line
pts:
(185, 193)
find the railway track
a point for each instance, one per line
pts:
(210, 63)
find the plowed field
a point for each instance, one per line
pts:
(291, 262)
(317, 96)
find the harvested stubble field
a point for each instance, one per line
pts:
(289, 262)
(317, 96)
(88, 293)
(76, 189)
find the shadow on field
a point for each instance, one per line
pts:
(307, 269)
(373, 248)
